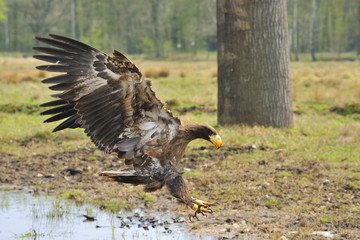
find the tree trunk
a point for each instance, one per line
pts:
(197, 27)
(358, 36)
(6, 33)
(74, 25)
(253, 63)
(290, 41)
(312, 21)
(295, 31)
(154, 13)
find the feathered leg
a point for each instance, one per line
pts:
(178, 188)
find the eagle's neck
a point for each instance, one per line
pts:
(191, 131)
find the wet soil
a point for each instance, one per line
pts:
(269, 198)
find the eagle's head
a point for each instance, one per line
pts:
(194, 130)
(209, 133)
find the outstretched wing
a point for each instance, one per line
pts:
(108, 96)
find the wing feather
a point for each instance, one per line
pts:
(107, 96)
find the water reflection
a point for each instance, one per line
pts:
(23, 215)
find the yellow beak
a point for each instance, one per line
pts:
(216, 140)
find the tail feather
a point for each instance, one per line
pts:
(127, 176)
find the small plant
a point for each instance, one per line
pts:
(148, 197)
(30, 234)
(284, 174)
(77, 195)
(4, 204)
(273, 203)
(194, 173)
(89, 211)
(114, 206)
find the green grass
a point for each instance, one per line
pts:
(148, 197)
(77, 195)
(310, 171)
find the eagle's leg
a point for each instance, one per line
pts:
(200, 206)
(177, 187)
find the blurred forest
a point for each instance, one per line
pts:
(163, 28)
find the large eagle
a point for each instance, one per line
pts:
(109, 97)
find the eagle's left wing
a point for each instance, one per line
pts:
(108, 96)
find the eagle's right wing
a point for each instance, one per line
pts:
(107, 96)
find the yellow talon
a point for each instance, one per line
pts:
(202, 207)
(203, 203)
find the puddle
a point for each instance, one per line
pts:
(25, 216)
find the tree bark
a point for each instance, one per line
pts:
(312, 22)
(253, 63)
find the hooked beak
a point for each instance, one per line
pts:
(216, 140)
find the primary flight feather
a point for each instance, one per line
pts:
(109, 97)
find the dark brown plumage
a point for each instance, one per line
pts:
(110, 99)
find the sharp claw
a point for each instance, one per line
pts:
(202, 207)
(193, 215)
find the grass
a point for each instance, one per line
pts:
(77, 195)
(309, 172)
(148, 197)
(156, 72)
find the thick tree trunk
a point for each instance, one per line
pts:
(312, 22)
(253, 63)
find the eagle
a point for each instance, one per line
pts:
(109, 97)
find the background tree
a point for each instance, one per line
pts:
(171, 27)
(253, 63)
(312, 23)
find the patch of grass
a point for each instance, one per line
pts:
(77, 195)
(89, 211)
(274, 203)
(284, 174)
(58, 210)
(115, 206)
(4, 203)
(32, 234)
(148, 197)
(194, 173)
(11, 108)
(347, 109)
(327, 218)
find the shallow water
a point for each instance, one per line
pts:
(25, 216)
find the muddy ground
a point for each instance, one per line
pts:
(268, 206)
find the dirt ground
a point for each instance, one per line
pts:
(254, 213)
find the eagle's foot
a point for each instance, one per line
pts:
(200, 206)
